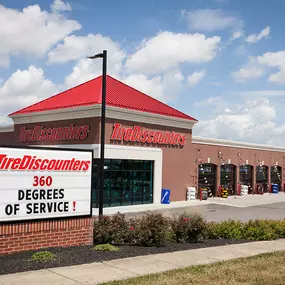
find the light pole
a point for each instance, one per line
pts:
(102, 145)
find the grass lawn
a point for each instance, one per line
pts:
(265, 269)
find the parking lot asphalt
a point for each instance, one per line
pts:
(218, 212)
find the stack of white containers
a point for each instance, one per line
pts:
(243, 190)
(191, 193)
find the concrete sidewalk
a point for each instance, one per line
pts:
(96, 273)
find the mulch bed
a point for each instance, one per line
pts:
(20, 262)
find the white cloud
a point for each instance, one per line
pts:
(273, 60)
(83, 70)
(254, 38)
(245, 116)
(23, 88)
(209, 101)
(254, 121)
(167, 50)
(86, 69)
(153, 86)
(278, 77)
(163, 88)
(248, 72)
(211, 20)
(31, 31)
(78, 47)
(236, 35)
(196, 77)
(257, 66)
(59, 5)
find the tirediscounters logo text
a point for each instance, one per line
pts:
(142, 135)
(40, 133)
(41, 183)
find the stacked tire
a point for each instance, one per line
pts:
(225, 192)
(244, 190)
(203, 193)
(191, 193)
(210, 194)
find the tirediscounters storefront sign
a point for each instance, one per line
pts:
(40, 133)
(142, 135)
(45, 183)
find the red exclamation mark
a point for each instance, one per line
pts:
(74, 204)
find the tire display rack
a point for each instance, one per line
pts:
(262, 178)
(246, 176)
(228, 178)
(276, 176)
(207, 178)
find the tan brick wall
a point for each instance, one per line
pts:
(25, 236)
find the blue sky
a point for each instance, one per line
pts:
(220, 61)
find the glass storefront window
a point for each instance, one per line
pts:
(126, 182)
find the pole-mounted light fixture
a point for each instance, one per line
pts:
(103, 116)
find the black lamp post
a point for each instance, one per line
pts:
(103, 112)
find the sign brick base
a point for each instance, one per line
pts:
(17, 237)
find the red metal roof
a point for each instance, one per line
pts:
(118, 95)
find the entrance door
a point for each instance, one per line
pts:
(262, 177)
(207, 178)
(228, 178)
(276, 175)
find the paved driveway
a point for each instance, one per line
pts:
(216, 212)
(243, 208)
(220, 212)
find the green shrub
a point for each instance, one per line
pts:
(151, 230)
(227, 230)
(253, 230)
(43, 256)
(155, 230)
(261, 230)
(188, 227)
(103, 230)
(170, 235)
(279, 227)
(105, 247)
(113, 229)
(212, 230)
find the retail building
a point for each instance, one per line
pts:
(149, 145)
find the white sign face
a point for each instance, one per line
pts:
(44, 183)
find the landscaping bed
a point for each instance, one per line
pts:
(21, 262)
(116, 237)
